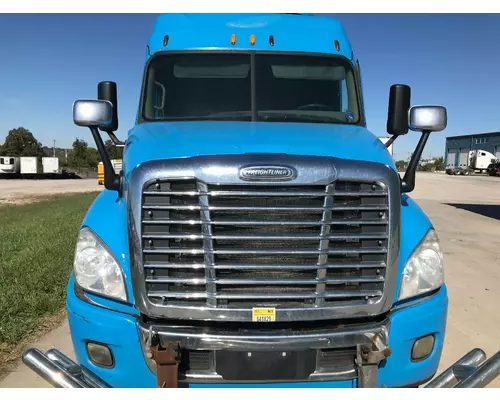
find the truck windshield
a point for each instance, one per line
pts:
(238, 86)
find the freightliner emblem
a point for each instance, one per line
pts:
(267, 173)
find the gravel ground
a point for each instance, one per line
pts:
(22, 191)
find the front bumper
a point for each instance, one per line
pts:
(123, 334)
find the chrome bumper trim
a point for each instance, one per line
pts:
(348, 374)
(197, 338)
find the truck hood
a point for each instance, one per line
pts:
(163, 140)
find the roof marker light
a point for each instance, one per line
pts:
(233, 39)
(337, 45)
(252, 39)
(165, 40)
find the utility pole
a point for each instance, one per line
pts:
(54, 149)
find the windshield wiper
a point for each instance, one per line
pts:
(262, 116)
(222, 116)
(288, 117)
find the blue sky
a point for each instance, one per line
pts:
(50, 60)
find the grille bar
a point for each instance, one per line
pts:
(345, 265)
(202, 281)
(208, 251)
(324, 243)
(242, 193)
(306, 223)
(374, 207)
(273, 251)
(373, 236)
(263, 296)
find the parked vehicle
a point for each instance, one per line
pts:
(117, 167)
(493, 169)
(50, 165)
(29, 165)
(9, 165)
(258, 233)
(478, 161)
(32, 168)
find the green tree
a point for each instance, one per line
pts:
(439, 163)
(93, 157)
(20, 142)
(425, 167)
(113, 151)
(78, 156)
(400, 164)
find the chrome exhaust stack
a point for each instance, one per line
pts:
(60, 371)
(471, 371)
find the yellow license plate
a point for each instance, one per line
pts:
(263, 314)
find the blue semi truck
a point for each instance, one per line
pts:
(258, 233)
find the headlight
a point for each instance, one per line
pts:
(423, 271)
(95, 268)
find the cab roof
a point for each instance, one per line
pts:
(290, 32)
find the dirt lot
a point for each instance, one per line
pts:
(22, 191)
(466, 214)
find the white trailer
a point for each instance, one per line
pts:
(9, 165)
(463, 159)
(29, 165)
(117, 165)
(50, 165)
(451, 160)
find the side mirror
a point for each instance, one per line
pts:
(93, 113)
(107, 90)
(399, 104)
(427, 118)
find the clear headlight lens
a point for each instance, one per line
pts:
(423, 271)
(95, 268)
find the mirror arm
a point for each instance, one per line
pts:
(391, 140)
(111, 180)
(117, 142)
(408, 182)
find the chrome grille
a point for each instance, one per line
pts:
(285, 246)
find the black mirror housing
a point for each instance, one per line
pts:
(107, 91)
(399, 104)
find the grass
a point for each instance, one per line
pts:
(37, 243)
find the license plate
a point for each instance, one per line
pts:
(265, 365)
(263, 314)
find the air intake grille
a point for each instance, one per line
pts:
(228, 246)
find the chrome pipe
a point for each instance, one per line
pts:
(448, 378)
(50, 371)
(488, 371)
(93, 379)
(73, 368)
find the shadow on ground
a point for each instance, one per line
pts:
(486, 210)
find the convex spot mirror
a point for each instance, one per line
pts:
(427, 118)
(97, 113)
